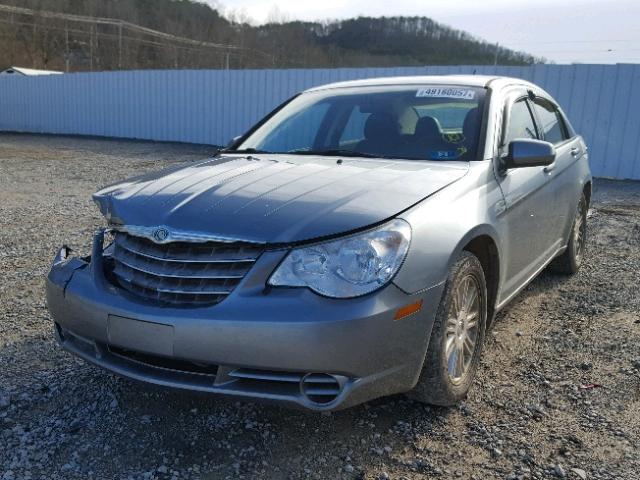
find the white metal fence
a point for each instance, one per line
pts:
(211, 106)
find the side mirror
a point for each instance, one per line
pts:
(233, 141)
(529, 153)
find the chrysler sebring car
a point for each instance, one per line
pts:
(355, 243)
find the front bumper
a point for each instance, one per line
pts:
(284, 345)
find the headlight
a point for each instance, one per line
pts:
(347, 267)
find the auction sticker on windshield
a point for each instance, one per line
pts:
(446, 92)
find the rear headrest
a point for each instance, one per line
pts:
(380, 123)
(428, 127)
(470, 123)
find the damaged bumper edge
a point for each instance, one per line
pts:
(64, 266)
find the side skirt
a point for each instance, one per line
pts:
(504, 302)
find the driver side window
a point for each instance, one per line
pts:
(521, 124)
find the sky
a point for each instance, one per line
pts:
(562, 31)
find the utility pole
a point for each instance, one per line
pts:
(91, 48)
(34, 41)
(495, 58)
(227, 61)
(96, 46)
(13, 45)
(120, 46)
(66, 48)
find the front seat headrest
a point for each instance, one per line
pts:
(428, 127)
(379, 124)
(470, 123)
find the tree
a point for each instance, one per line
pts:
(30, 40)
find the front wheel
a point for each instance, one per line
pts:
(570, 260)
(457, 336)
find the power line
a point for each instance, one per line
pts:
(177, 42)
(112, 36)
(118, 23)
(554, 42)
(579, 52)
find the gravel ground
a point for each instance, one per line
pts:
(557, 394)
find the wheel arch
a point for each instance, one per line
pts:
(482, 242)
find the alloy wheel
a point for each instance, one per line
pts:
(580, 232)
(462, 328)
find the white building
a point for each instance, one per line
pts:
(28, 72)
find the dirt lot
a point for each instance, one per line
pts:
(557, 395)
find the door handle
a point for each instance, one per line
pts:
(575, 151)
(549, 168)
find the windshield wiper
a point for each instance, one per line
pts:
(329, 152)
(244, 150)
(337, 152)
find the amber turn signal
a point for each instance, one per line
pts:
(408, 310)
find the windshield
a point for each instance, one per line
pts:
(411, 122)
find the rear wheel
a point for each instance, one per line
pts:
(571, 259)
(457, 336)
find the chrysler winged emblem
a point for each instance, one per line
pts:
(160, 234)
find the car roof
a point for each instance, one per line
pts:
(457, 80)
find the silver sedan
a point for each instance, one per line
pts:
(355, 243)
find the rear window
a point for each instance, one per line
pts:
(450, 115)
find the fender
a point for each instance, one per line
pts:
(460, 217)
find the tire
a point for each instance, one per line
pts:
(439, 382)
(570, 260)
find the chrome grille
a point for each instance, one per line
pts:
(183, 273)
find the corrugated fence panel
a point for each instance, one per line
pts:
(212, 106)
(631, 143)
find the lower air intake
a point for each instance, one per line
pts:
(320, 387)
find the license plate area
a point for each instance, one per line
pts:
(149, 337)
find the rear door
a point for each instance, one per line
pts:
(529, 201)
(554, 129)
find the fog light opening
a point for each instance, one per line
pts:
(320, 388)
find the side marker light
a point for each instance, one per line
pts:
(408, 310)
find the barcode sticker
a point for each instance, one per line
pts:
(447, 92)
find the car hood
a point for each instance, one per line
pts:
(275, 198)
